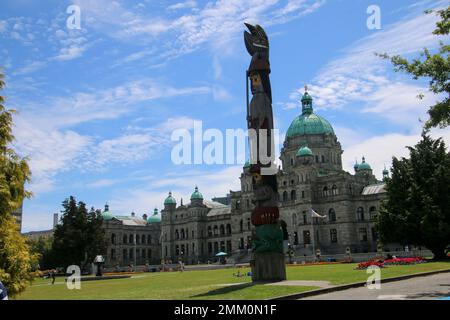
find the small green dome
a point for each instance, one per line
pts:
(304, 152)
(106, 214)
(355, 166)
(196, 194)
(154, 218)
(170, 199)
(247, 164)
(364, 165)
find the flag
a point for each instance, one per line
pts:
(316, 215)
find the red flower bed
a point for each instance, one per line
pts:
(366, 264)
(390, 262)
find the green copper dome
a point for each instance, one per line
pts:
(170, 199)
(304, 152)
(364, 165)
(154, 218)
(196, 194)
(106, 214)
(308, 122)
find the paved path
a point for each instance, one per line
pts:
(424, 288)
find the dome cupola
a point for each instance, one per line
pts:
(364, 165)
(196, 194)
(154, 218)
(106, 214)
(304, 152)
(170, 199)
(308, 122)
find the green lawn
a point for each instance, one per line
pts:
(211, 284)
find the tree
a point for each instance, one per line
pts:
(417, 210)
(80, 236)
(15, 258)
(433, 66)
(42, 247)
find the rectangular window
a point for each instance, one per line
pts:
(333, 235)
(209, 247)
(306, 237)
(363, 234)
(113, 254)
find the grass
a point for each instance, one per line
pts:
(211, 284)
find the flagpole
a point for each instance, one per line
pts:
(313, 237)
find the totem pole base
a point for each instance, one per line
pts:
(268, 266)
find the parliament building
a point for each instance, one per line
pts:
(311, 177)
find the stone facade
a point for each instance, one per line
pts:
(311, 178)
(131, 240)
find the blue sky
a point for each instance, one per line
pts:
(97, 106)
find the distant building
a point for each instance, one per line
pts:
(44, 234)
(132, 240)
(17, 214)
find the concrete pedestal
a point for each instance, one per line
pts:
(268, 266)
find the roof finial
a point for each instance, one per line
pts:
(306, 88)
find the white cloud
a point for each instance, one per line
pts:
(183, 5)
(379, 150)
(181, 183)
(30, 68)
(214, 24)
(361, 76)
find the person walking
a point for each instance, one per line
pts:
(3, 292)
(53, 275)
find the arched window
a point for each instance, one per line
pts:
(177, 235)
(143, 239)
(216, 231)
(124, 239)
(325, 191)
(294, 220)
(332, 215)
(334, 190)
(285, 196)
(373, 213)
(323, 158)
(241, 225)
(131, 239)
(222, 229)
(182, 233)
(248, 224)
(300, 177)
(228, 228)
(360, 213)
(187, 233)
(113, 238)
(138, 239)
(292, 161)
(293, 195)
(149, 239)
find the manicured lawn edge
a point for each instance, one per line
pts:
(305, 294)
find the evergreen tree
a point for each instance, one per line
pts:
(435, 67)
(15, 258)
(417, 210)
(79, 237)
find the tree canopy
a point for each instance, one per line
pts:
(417, 210)
(79, 237)
(15, 257)
(436, 68)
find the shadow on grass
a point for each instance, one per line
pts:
(224, 290)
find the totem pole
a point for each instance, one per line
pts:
(268, 260)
